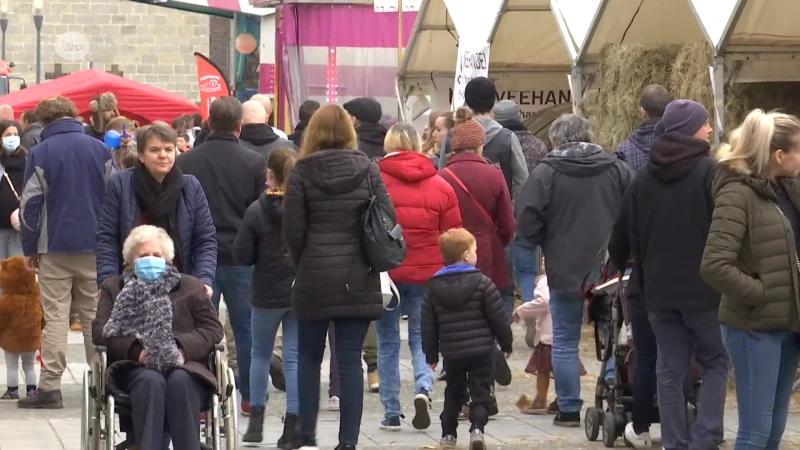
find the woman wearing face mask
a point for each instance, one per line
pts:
(12, 168)
(159, 328)
(155, 192)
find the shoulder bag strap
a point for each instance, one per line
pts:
(11, 185)
(458, 181)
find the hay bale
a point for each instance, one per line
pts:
(625, 70)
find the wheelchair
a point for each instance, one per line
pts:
(99, 409)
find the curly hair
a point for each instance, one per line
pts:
(51, 109)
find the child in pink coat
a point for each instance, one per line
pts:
(541, 361)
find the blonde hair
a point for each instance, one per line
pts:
(402, 136)
(143, 234)
(751, 145)
(454, 243)
(330, 128)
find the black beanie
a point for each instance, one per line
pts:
(364, 109)
(480, 95)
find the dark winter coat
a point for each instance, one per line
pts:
(260, 244)
(32, 136)
(370, 139)
(751, 252)
(568, 208)
(487, 184)
(195, 324)
(533, 149)
(12, 170)
(233, 177)
(668, 210)
(322, 211)
(637, 147)
(120, 214)
(297, 136)
(463, 316)
(261, 138)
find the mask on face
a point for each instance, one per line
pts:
(149, 268)
(11, 143)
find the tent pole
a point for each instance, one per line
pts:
(576, 85)
(718, 74)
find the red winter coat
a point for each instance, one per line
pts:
(487, 184)
(426, 207)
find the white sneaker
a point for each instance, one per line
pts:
(333, 403)
(638, 441)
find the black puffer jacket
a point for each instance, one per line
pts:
(259, 243)
(462, 315)
(322, 210)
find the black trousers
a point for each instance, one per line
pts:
(475, 376)
(166, 406)
(644, 381)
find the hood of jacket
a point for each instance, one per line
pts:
(453, 285)
(34, 127)
(407, 166)
(66, 125)
(371, 133)
(490, 126)
(673, 155)
(642, 137)
(580, 159)
(335, 171)
(272, 205)
(736, 172)
(258, 134)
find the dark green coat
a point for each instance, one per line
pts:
(750, 255)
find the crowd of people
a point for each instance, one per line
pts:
(170, 220)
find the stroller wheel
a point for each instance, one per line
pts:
(609, 430)
(591, 423)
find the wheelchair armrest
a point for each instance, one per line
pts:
(220, 347)
(101, 349)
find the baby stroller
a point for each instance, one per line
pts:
(613, 405)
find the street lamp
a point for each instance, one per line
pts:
(38, 19)
(4, 24)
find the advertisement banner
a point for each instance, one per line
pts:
(472, 62)
(210, 83)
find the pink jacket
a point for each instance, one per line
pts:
(539, 310)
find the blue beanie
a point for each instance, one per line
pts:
(685, 117)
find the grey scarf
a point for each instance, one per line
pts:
(144, 309)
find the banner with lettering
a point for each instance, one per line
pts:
(211, 83)
(473, 62)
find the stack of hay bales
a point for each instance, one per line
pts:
(625, 70)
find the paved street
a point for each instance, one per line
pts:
(60, 429)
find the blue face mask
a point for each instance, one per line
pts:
(10, 143)
(149, 268)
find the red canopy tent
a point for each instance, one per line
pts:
(136, 101)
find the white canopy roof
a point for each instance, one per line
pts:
(525, 39)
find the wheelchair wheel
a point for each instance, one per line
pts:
(110, 423)
(86, 411)
(216, 442)
(230, 415)
(609, 430)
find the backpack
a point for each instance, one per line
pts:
(381, 235)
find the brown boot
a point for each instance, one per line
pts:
(553, 408)
(537, 407)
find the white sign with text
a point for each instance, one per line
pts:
(473, 62)
(391, 5)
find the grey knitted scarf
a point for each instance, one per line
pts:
(144, 309)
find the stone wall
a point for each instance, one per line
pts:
(148, 43)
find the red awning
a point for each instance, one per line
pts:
(136, 101)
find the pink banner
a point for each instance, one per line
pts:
(266, 79)
(344, 26)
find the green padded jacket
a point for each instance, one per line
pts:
(750, 255)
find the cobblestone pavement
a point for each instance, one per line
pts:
(60, 429)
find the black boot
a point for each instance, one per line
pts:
(255, 427)
(345, 447)
(289, 439)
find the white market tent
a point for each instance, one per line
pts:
(525, 39)
(753, 40)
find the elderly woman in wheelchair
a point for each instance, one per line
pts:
(159, 328)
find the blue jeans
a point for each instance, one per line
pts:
(526, 266)
(567, 312)
(265, 327)
(764, 364)
(233, 282)
(388, 328)
(349, 334)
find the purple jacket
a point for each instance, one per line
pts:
(637, 147)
